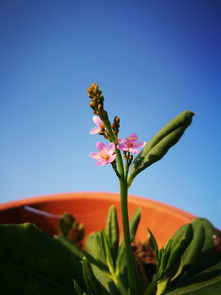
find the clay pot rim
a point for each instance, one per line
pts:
(99, 195)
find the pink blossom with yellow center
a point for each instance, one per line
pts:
(130, 144)
(98, 122)
(105, 154)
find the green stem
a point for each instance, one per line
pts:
(118, 283)
(161, 287)
(113, 139)
(126, 168)
(124, 210)
(126, 230)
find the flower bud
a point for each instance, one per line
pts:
(92, 90)
(100, 107)
(77, 233)
(92, 104)
(116, 120)
(130, 159)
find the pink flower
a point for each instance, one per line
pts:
(98, 123)
(130, 144)
(105, 154)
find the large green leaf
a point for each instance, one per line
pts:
(158, 146)
(79, 252)
(109, 288)
(31, 263)
(203, 271)
(207, 282)
(93, 246)
(206, 255)
(100, 268)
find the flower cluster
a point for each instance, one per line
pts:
(106, 154)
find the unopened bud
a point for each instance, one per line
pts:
(116, 120)
(130, 159)
(92, 90)
(91, 104)
(100, 107)
(95, 100)
(78, 233)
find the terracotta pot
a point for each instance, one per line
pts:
(91, 209)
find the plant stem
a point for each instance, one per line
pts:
(124, 210)
(126, 230)
(161, 287)
(113, 139)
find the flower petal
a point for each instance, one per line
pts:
(101, 163)
(100, 146)
(95, 156)
(111, 148)
(95, 130)
(133, 150)
(121, 145)
(140, 144)
(97, 121)
(120, 140)
(112, 158)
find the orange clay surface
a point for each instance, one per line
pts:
(91, 209)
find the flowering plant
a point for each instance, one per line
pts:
(189, 263)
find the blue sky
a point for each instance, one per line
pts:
(152, 59)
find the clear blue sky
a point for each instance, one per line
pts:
(152, 59)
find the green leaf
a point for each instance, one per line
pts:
(207, 255)
(207, 282)
(194, 249)
(107, 283)
(163, 257)
(158, 146)
(134, 222)
(33, 263)
(93, 247)
(105, 247)
(153, 243)
(78, 288)
(79, 252)
(175, 257)
(180, 242)
(170, 258)
(89, 278)
(185, 231)
(112, 232)
(204, 275)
